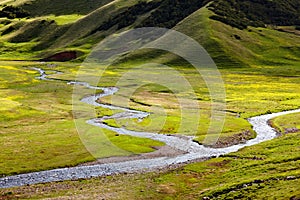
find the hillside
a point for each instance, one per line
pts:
(79, 25)
(243, 13)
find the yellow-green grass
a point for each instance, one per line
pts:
(35, 96)
(252, 94)
(17, 51)
(287, 122)
(248, 93)
(259, 78)
(264, 171)
(37, 130)
(59, 19)
(64, 19)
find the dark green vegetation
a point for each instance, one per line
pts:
(259, 65)
(169, 13)
(57, 7)
(243, 13)
(13, 12)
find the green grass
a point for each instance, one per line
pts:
(223, 177)
(256, 48)
(37, 127)
(259, 78)
(286, 122)
(17, 51)
(65, 19)
(268, 170)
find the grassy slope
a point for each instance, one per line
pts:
(82, 28)
(57, 7)
(71, 30)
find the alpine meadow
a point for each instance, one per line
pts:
(102, 99)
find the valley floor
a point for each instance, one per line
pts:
(252, 168)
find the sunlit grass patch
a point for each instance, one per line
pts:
(133, 145)
(287, 123)
(252, 94)
(64, 19)
(40, 146)
(17, 51)
(7, 104)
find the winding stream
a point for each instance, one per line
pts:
(185, 144)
